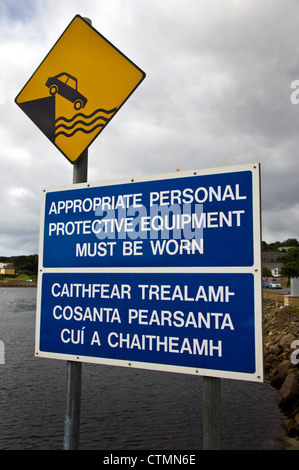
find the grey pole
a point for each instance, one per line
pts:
(80, 169)
(74, 369)
(72, 417)
(211, 413)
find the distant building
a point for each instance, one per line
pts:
(274, 268)
(271, 256)
(271, 260)
(7, 269)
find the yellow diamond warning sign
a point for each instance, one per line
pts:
(77, 89)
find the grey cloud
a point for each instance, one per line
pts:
(217, 93)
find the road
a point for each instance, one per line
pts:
(283, 291)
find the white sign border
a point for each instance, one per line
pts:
(256, 270)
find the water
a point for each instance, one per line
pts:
(121, 408)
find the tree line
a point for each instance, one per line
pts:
(274, 246)
(23, 264)
(289, 258)
(290, 267)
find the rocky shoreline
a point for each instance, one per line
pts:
(18, 283)
(281, 329)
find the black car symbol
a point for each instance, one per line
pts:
(66, 85)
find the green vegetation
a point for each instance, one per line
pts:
(26, 266)
(274, 246)
(266, 272)
(291, 263)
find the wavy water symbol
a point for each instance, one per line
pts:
(75, 124)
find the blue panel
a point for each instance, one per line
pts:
(188, 221)
(180, 319)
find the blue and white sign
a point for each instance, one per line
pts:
(162, 273)
(199, 220)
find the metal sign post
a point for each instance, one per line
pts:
(211, 413)
(74, 369)
(72, 417)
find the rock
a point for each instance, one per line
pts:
(278, 375)
(274, 349)
(270, 363)
(268, 345)
(289, 391)
(280, 329)
(291, 427)
(286, 341)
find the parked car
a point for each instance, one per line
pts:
(266, 285)
(274, 284)
(67, 86)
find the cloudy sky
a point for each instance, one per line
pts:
(217, 93)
